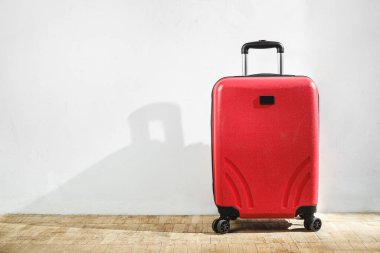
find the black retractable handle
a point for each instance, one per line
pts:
(262, 44)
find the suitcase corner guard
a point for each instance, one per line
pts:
(228, 212)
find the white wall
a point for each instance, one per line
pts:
(105, 105)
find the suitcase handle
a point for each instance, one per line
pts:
(262, 44)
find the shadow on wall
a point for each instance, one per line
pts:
(148, 177)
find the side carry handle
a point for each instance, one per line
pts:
(262, 44)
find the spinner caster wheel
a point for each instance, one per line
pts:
(312, 223)
(214, 224)
(222, 226)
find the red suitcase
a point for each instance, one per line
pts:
(265, 145)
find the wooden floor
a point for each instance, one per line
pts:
(57, 233)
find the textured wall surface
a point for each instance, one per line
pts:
(105, 105)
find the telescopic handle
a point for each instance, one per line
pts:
(262, 44)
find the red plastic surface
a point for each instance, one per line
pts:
(265, 157)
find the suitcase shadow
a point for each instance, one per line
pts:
(265, 226)
(155, 173)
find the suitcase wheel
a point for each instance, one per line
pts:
(312, 223)
(214, 225)
(221, 226)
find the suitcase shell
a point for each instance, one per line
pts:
(265, 152)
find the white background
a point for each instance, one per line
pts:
(105, 105)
